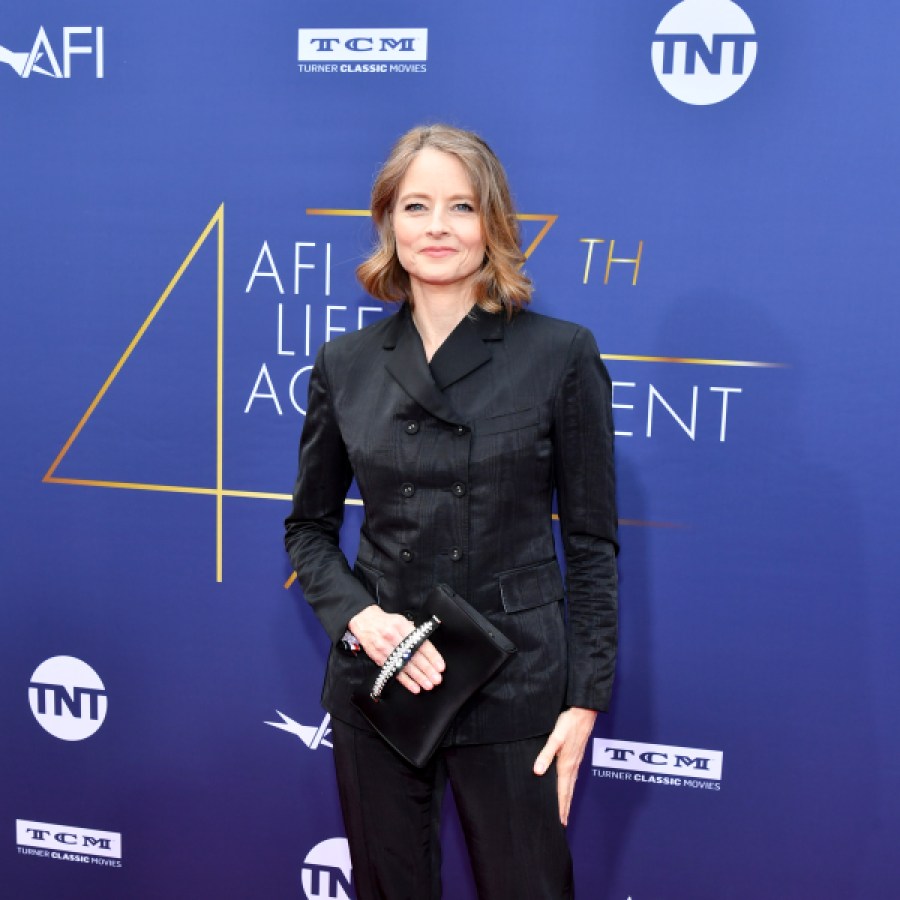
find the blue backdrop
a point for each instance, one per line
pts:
(181, 195)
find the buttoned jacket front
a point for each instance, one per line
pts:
(457, 464)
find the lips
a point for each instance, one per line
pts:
(437, 252)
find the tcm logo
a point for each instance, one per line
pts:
(44, 60)
(657, 759)
(362, 45)
(67, 698)
(327, 871)
(68, 839)
(704, 51)
(314, 736)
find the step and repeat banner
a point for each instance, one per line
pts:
(709, 186)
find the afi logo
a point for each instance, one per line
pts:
(43, 60)
(327, 871)
(313, 736)
(67, 698)
(357, 44)
(704, 51)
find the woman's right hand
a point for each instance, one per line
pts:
(379, 632)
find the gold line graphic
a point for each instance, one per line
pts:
(134, 486)
(694, 361)
(338, 212)
(219, 491)
(179, 489)
(220, 377)
(548, 219)
(217, 221)
(217, 217)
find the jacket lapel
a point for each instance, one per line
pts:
(406, 363)
(466, 350)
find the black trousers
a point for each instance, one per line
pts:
(509, 817)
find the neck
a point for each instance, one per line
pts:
(436, 313)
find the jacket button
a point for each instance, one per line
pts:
(455, 554)
(412, 427)
(460, 429)
(406, 555)
(459, 489)
(407, 489)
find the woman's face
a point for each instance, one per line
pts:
(437, 226)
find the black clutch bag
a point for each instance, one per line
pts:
(473, 650)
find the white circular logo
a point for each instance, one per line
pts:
(704, 51)
(67, 698)
(326, 871)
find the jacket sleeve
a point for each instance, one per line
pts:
(312, 530)
(585, 484)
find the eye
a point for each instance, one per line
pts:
(464, 206)
(414, 207)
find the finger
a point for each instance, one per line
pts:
(545, 757)
(567, 774)
(416, 675)
(420, 664)
(423, 670)
(435, 660)
(565, 787)
(407, 682)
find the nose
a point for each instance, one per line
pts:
(436, 222)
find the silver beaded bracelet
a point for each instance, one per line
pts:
(402, 653)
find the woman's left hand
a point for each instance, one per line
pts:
(566, 744)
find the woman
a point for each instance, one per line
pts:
(460, 416)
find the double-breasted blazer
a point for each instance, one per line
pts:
(457, 464)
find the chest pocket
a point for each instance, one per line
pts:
(531, 586)
(522, 418)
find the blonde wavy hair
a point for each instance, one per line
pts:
(500, 283)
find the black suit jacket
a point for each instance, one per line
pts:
(457, 464)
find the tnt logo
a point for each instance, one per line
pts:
(326, 871)
(80, 41)
(704, 51)
(67, 698)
